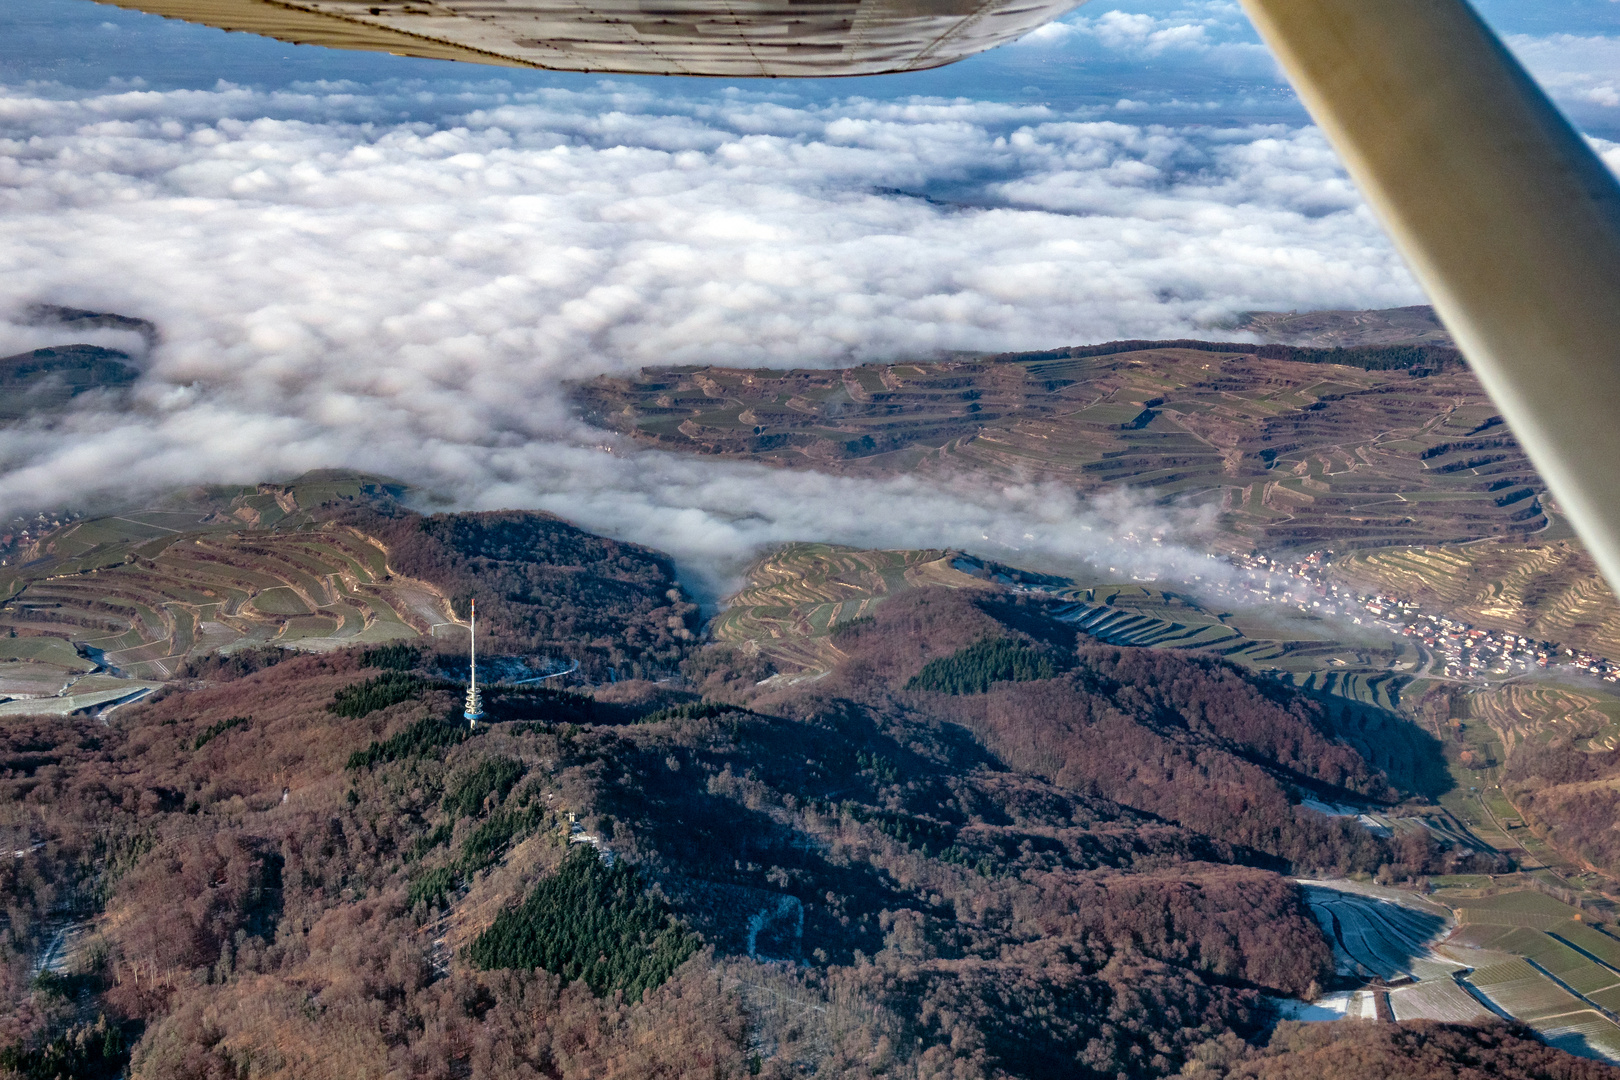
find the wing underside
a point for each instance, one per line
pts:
(730, 38)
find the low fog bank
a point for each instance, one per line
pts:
(336, 289)
(21, 337)
(715, 517)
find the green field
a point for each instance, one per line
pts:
(46, 650)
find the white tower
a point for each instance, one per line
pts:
(475, 701)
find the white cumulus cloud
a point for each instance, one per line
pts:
(1202, 37)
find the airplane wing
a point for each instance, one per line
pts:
(730, 38)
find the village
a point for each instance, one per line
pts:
(1458, 649)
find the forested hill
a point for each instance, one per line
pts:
(44, 380)
(545, 586)
(979, 848)
(1190, 739)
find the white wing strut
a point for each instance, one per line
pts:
(1502, 210)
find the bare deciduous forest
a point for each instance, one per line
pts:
(1047, 858)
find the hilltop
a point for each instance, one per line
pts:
(104, 608)
(42, 382)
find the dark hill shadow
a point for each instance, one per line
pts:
(1413, 759)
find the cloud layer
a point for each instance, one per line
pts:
(339, 287)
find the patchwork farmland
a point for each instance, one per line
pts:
(137, 594)
(1543, 963)
(1438, 999)
(1384, 935)
(1518, 954)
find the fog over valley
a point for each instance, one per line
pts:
(398, 276)
(410, 298)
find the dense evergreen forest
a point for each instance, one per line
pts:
(978, 667)
(979, 848)
(591, 922)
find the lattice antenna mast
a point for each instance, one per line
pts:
(475, 701)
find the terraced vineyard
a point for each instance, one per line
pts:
(1519, 711)
(141, 592)
(1155, 618)
(1302, 650)
(1548, 591)
(1379, 688)
(1293, 453)
(1528, 816)
(796, 596)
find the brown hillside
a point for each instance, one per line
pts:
(1360, 448)
(976, 848)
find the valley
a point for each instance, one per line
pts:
(837, 790)
(1358, 471)
(883, 813)
(1498, 640)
